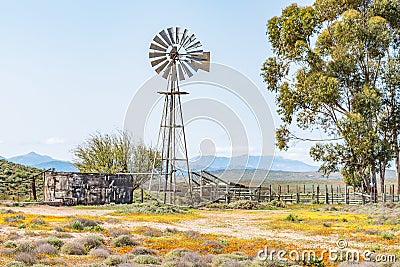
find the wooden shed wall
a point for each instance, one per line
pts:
(88, 188)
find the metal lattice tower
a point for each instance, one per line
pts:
(175, 54)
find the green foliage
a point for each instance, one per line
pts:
(387, 235)
(18, 180)
(151, 207)
(336, 70)
(15, 264)
(54, 241)
(116, 153)
(123, 240)
(293, 218)
(114, 260)
(15, 218)
(146, 259)
(76, 225)
(74, 247)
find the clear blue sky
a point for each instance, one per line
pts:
(69, 68)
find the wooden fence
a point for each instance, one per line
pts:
(313, 194)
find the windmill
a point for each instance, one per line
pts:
(176, 55)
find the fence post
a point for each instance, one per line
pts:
(317, 194)
(326, 194)
(332, 194)
(259, 194)
(279, 192)
(313, 193)
(346, 195)
(270, 192)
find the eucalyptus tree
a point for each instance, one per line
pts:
(116, 153)
(335, 70)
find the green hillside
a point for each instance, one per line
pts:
(16, 181)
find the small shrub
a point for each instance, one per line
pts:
(191, 234)
(15, 218)
(277, 204)
(189, 259)
(115, 232)
(213, 244)
(87, 222)
(74, 247)
(58, 229)
(123, 240)
(152, 207)
(146, 259)
(6, 211)
(177, 253)
(38, 220)
(327, 224)
(92, 241)
(233, 259)
(371, 232)
(15, 264)
(76, 225)
(292, 218)
(24, 247)
(114, 260)
(10, 244)
(96, 228)
(25, 257)
(22, 226)
(46, 249)
(143, 251)
(54, 241)
(149, 231)
(171, 230)
(100, 252)
(387, 235)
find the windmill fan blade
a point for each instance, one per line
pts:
(160, 42)
(195, 45)
(186, 69)
(194, 67)
(195, 52)
(158, 61)
(189, 40)
(180, 71)
(185, 34)
(160, 68)
(156, 54)
(159, 48)
(171, 34)
(165, 37)
(166, 72)
(178, 33)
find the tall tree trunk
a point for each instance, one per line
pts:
(382, 179)
(373, 181)
(397, 167)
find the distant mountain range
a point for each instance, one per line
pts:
(33, 159)
(209, 163)
(245, 162)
